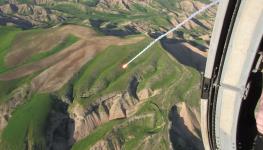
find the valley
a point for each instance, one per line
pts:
(62, 85)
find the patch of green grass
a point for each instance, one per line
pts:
(187, 88)
(25, 1)
(6, 87)
(7, 36)
(164, 144)
(91, 3)
(104, 73)
(169, 4)
(134, 132)
(72, 9)
(204, 1)
(107, 67)
(71, 39)
(193, 93)
(2, 2)
(11, 35)
(151, 106)
(154, 69)
(139, 8)
(137, 132)
(160, 21)
(199, 42)
(136, 13)
(131, 133)
(27, 123)
(99, 133)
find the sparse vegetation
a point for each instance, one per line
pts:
(156, 70)
(91, 3)
(6, 87)
(71, 39)
(7, 35)
(98, 134)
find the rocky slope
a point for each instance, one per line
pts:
(107, 144)
(185, 127)
(111, 112)
(18, 97)
(184, 132)
(122, 4)
(113, 17)
(110, 107)
(88, 101)
(28, 15)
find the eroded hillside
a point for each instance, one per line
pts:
(80, 96)
(112, 17)
(62, 85)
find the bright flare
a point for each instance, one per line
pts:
(124, 66)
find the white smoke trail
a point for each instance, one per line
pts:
(172, 30)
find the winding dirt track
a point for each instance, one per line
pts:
(64, 64)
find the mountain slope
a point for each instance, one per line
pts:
(100, 96)
(111, 17)
(62, 85)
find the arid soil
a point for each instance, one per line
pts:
(29, 43)
(64, 64)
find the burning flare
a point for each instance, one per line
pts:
(124, 66)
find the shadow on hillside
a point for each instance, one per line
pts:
(60, 127)
(24, 24)
(112, 29)
(132, 88)
(200, 23)
(180, 137)
(184, 54)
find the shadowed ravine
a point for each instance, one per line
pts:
(59, 127)
(184, 54)
(180, 136)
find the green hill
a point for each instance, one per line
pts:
(156, 70)
(62, 85)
